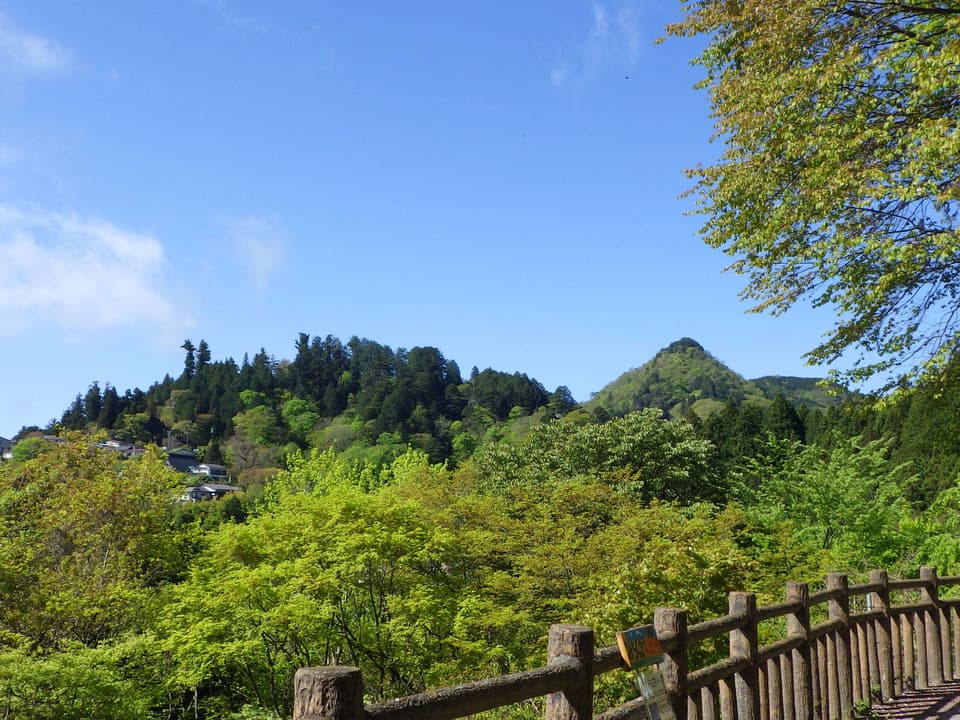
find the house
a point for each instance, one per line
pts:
(182, 459)
(6, 448)
(218, 472)
(125, 449)
(209, 491)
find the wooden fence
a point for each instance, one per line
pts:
(865, 649)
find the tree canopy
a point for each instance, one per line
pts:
(838, 182)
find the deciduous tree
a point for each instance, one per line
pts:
(838, 183)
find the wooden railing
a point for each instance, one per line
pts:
(822, 671)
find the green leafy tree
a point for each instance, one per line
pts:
(83, 545)
(301, 418)
(837, 183)
(640, 453)
(837, 509)
(116, 680)
(260, 424)
(341, 578)
(29, 448)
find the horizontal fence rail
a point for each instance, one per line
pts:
(864, 650)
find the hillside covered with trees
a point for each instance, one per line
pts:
(122, 600)
(359, 396)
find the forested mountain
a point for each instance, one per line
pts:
(355, 395)
(684, 377)
(371, 403)
(369, 400)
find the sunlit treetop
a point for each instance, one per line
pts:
(839, 180)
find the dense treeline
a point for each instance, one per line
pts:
(333, 394)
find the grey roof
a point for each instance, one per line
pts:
(214, 488)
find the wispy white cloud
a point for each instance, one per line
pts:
(260, 246)
(79, 274)
(612, 38)
(25, 52)
(236, 20)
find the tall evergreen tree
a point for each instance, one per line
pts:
(110, 407)
(190, 361)
(93, 402)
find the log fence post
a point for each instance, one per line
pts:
(839, 609)
(672, 621)
(328, 693)
(955, 615)
(798, 623)
(822, 705)
(575, 702)
(743, 644)
(880, 600)
(931, 623)
(896, 656)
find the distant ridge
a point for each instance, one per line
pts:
(683, 376)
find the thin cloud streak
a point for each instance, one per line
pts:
(235, 21)
(26, 52)
(81, 274)
(260, 246)
(613, 37)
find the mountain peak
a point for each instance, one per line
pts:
(683, 376)
(682, 344)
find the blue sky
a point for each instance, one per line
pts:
(498, 180)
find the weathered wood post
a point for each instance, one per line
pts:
(839, 609)
(821, 690)
(328, 693)
(874, 689)
(931, 624)
(743, 644)
(914, 671)
(858, 664)
(896, 654)
(955, 614)
(944, 622)
(774, 697)
(880, 600)
(786, 687)
(798, 623)
(576, 702)
(673, 621)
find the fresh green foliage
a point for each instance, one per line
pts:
(345, 578)
(640, 454)
(116, 680)
(839, 508)
(83, 545)
(29, 448)
(837, 183)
